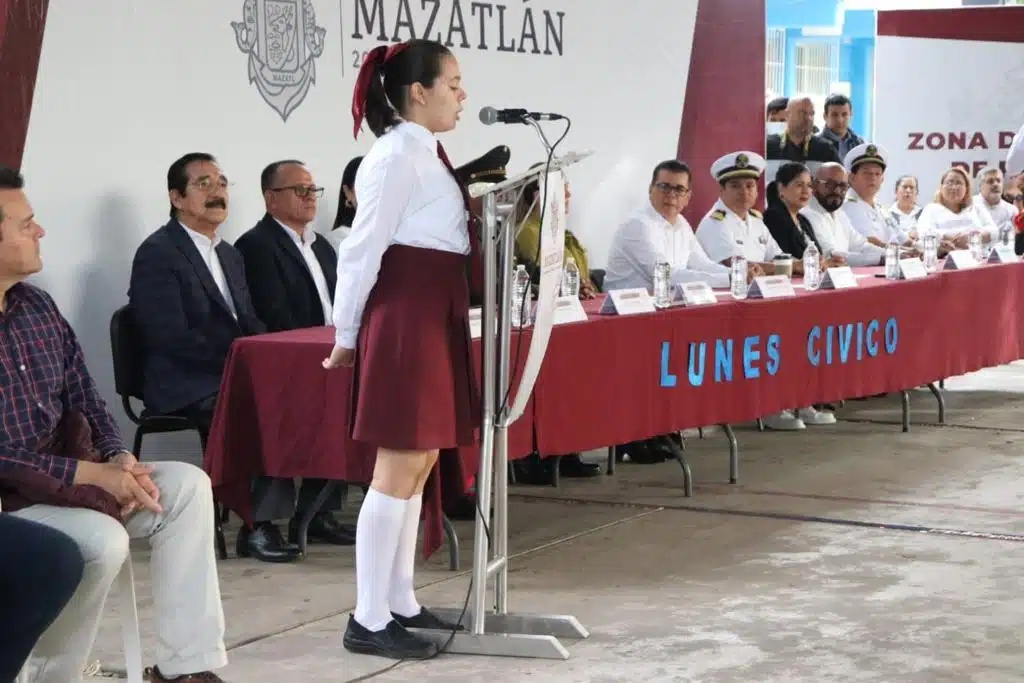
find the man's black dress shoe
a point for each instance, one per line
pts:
(573, 466)
(393, 642)
(265, 543)
(427, 619)
(323, 528)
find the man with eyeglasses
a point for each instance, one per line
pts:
(656, 233)
(831, 226)
(291, 271)
(189, 301)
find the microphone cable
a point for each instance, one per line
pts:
(536, 259)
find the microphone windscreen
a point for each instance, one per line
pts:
(488, 116)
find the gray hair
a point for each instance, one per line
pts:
(986, 172)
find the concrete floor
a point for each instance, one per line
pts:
(801, 572)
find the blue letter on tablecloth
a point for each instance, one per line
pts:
(750, 356)
(828, 344)
(870, 341)
(845, 338)
(860, 341)
(813, 354)
(697, 373)
(723, 360)
(772, 366)
(892, 335)
(668, 380)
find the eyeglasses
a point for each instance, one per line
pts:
(833, 186)
(668, 188)
(301, 190)
(207, 183)
(954, 182)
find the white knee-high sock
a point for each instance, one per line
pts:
(402, 596)
(377, 532)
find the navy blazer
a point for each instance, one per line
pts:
(282, 288)
(185, 324)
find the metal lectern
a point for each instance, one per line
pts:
(498, 632)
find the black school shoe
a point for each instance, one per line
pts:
(393, 642)
(428, 620)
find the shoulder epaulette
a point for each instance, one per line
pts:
(718, 215)
(755, 213)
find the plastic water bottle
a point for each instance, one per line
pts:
(570, 278)
(892, 260)
(930, 246)
(1005, 235)
(739, 278)
(812, 267)
(662, 286)
(974, 244)
(521, 297)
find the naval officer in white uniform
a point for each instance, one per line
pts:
(866, 165)
(733, 228)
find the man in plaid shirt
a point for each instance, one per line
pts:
(43, 377)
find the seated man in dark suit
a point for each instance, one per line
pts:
(291, 271)
(190, 300)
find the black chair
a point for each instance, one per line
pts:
(126, 347)
(597, 277)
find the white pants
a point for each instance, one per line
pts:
(186, 592)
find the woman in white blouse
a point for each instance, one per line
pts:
(401, 315)
(953, 215)
(906, 210)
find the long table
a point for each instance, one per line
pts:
(615, 379)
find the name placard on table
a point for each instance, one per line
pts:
(568, 309)
(959, 259)
(839, 277)
(771, 287)
(627, 302)
(912, 269)
(1003, 253)
(696, 293)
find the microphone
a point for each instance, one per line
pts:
(490, 115)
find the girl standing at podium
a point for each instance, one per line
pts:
(402, 317)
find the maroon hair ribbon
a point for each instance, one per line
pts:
(375, 58)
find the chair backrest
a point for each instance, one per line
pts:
(126, 347)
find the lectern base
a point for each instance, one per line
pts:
(510, 635)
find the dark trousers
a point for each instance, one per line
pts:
(272, 498)
(39, 573)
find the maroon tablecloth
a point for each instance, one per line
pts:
(281, 414)
(604, 382)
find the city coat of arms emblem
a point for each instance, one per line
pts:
(283, 41)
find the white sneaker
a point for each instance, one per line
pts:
(812, 416)
(785, 421)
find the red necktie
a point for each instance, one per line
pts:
(476, 263)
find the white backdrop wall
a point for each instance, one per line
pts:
(124, 87)
(945, 102)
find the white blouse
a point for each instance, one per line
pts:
(907, 222)
(723, 234)
(646, 239)
(406, 196)
(944, 223)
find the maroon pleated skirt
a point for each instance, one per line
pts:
(414, 386)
